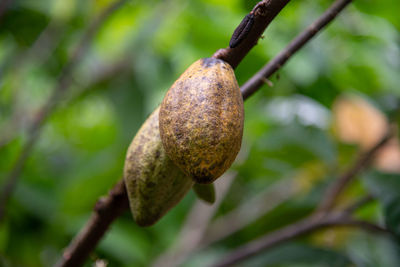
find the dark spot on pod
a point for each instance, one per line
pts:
(151, 184)
(178, 133)
(241, 31)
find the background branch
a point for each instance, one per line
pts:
(305, 226)
(64, 81)
(253, 84)
(321, 218)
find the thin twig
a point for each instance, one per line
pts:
(264, 12)
(63, 83)
(340, 183)
(292, 231)
(253, 84)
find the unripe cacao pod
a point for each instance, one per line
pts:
(153, 182)
(201, 120)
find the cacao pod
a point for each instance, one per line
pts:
(201, 120)
(154, 183)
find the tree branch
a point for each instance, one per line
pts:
(64, 81)
(253, 84)
(264, 12)
(292, 231)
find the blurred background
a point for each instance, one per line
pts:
(331, 100)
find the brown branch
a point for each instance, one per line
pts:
(264, 12)
(340, 183)
(63, 83)
(106, 210)
(234, 56)
(253, 84)
(292, 231)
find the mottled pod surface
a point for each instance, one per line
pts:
(201, 120)
(153, 182)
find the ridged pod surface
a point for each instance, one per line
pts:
(153, 182)
(201, 120)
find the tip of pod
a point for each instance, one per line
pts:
(145, 221)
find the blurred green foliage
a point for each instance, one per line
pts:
(138, 53)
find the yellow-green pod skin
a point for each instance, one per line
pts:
(153, 182)
(201, 120)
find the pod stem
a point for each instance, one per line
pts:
(261, 15)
